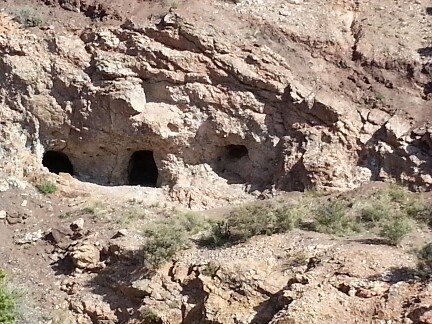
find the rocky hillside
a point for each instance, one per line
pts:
(119, 115)
(335, 108)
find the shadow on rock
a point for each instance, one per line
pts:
(115, 282)
(418, 315)
(394, 275)
(372, 241)
(425, 51)
(270, 307)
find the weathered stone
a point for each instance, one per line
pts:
(29, 237)
(398, 126)
(209, 112)
(87, 256)
(78, 225)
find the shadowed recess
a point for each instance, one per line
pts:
(236, 152)
(142, 169)
(57, 162)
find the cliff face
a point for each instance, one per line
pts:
(198, 110)
(214, 102)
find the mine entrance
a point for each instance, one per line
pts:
(57, 162)
(142, 169)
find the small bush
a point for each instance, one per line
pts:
(8, 308)
(28, 17)
(397, 193)
(417, 209)
(394, 202)
(191, 222)
(379, 96)
(333, 218)
(163, 242)
(395, 229)
(248, 221)
(46, 187)
(91, 210)
(211, 269)
(172, 4)
(149, 317)
(425, 259)
(165, 238)
(65, 215)
(374, 212)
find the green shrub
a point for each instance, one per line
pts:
(65, 215)
(395, 229)
(166, 237)
(425, 259)
(379, 96)
(290, 216)
(162, 243)
(211, 269)
(333, 218)
(417, 209)
(191, 222)
(397, 193)
(46, 187)
(394, 202)
(252, 220)
(374, 212)
(149, 317)
(8, 308)
(28, 17)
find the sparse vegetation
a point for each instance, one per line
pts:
(46, 187)
(8, 308)
(91, 210)
(396, 193)
(251, 220)
(149, 317)
(425, 259)
(373, 213)
(165, 238)
(172, 4)
(28, 17)
(379, 96)
(393, 211)
(65, 215)
(394, 229)
(211, 269)
(297, 260)
(334, 218)
(130, 216)
(390, 213)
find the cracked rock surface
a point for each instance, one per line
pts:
(214, 111)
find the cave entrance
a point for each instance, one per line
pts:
(57, 162)
(236, 152)
(142, 169)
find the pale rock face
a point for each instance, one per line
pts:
(86, 256)
(209, 113)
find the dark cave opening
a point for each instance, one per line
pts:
(236, 152)
(57, 162)
(142, 169)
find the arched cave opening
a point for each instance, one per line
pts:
(57, 162)
(232, 163)
(236, 152)
(142, 169)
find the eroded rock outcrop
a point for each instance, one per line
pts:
(203, 111)
(294, 278)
